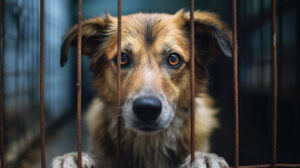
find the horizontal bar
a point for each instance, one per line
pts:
(270, 165)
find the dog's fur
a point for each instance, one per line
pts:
(149, 38)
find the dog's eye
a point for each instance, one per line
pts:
(124, 60)
(174, 60)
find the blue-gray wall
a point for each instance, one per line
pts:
(21, 43)
(93, 8)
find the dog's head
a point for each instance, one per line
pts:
(154, 60)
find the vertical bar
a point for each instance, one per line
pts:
(119, 82)
(192, 80)
(236, 85)
(275, 79)
(3, 160)
(79, 82)
(42, 72)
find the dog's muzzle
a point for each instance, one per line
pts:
(147, 109)
(147, 112)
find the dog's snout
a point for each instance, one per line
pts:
(147, 109)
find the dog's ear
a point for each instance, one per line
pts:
(212, 36)
(93, 36)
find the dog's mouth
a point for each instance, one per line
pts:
(147, 127)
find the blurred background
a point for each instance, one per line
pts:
(21, 78)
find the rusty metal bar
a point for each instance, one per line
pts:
(3, 160)
(118, 145)
(270, 165)
(236, 85)
(275, 82)
(192, 78)
(79, 82)
(287, 165)
(42, 86)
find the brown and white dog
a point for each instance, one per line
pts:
(155, 87)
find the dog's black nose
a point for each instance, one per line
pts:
(147, 109)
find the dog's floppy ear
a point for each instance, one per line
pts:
(212, 36)
(93, 36)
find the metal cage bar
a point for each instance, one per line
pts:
(42, 86)
(275, 82)
(270, 166)
(3, 160)
(118, 145)
(192, 78)
(236, 85)
(79, 87)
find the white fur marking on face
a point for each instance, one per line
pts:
(148, 77)
(149, 74)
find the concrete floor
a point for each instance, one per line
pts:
(58, 143)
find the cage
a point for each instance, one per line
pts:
(20, 35)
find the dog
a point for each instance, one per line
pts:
(155, 89)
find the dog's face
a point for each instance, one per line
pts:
(154, 61)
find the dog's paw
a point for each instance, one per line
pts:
(205, 160)
(69, 160)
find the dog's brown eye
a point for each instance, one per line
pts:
(174, 60)
(125, 60)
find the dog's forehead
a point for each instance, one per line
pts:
(147, 26)
(158, 31)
